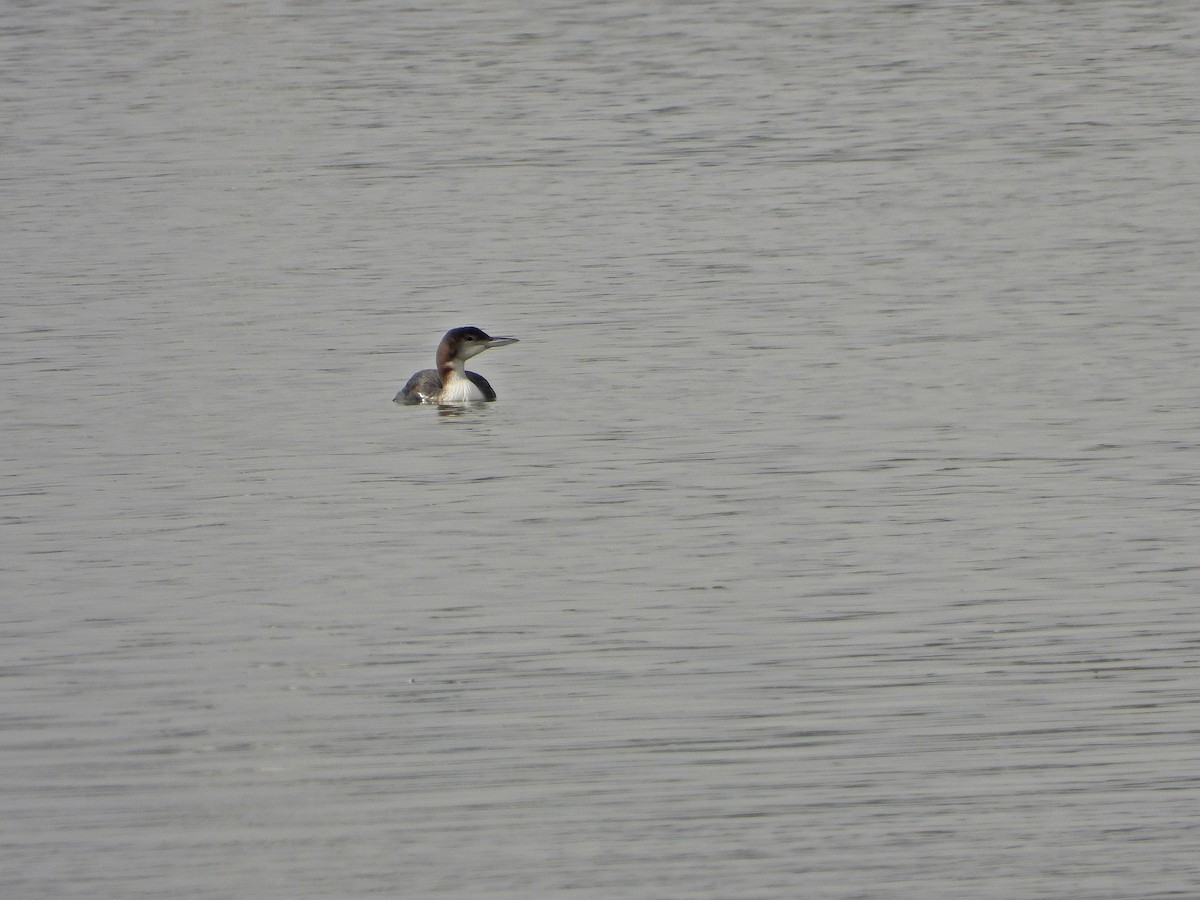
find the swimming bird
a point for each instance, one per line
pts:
(450, 383)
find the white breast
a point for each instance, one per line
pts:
(460, 390)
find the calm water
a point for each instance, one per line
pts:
(835, 534)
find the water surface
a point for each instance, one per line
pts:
(834, 534)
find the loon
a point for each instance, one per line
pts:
(450, 383)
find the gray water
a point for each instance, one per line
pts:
(835, 533)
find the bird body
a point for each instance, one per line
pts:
(450, 384)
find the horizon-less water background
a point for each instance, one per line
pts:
(836, 531)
